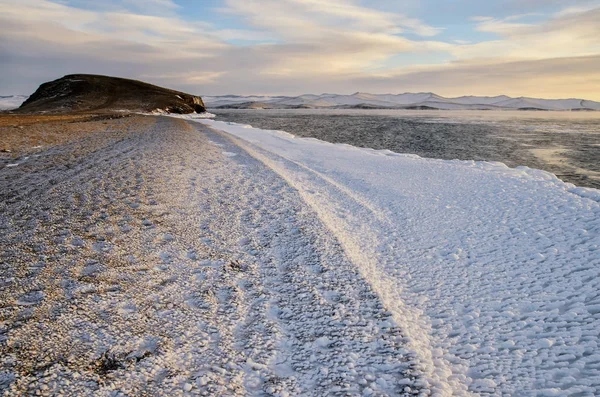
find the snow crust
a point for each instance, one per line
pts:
(492, 272)
(172, 268)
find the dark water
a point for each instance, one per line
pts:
(564, 143)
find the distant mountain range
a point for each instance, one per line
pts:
(360, 100)
(11, 101)
(423, 100)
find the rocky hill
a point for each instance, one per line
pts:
(94, 93)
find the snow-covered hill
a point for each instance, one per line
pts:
(394, 101)
(8, 102)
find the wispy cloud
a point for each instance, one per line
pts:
(300, 19)
(569, 34)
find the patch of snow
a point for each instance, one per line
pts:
(189, 116)
(204, 115)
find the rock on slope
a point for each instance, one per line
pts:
(84, 92)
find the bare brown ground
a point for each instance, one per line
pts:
(24, 134)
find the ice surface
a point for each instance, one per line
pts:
(493, 272)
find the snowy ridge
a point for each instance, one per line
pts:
(492, 272)
(406, 100)
(9, 102)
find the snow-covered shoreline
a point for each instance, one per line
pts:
(159, 258)
(492, 271)
(210, 118)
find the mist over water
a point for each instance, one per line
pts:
(564, 143)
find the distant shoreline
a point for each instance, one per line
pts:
(406, 108)
(409, 101)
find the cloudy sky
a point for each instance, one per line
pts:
(540, 48)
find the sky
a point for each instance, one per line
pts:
(536, 48)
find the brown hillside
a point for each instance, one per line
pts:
(94, 93)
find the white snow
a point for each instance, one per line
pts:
(199, 274)
(204, 115)
(492, 272)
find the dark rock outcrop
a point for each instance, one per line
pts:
(94, 93)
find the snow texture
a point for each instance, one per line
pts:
(159, 264)
(168, 258)
(491, 272)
